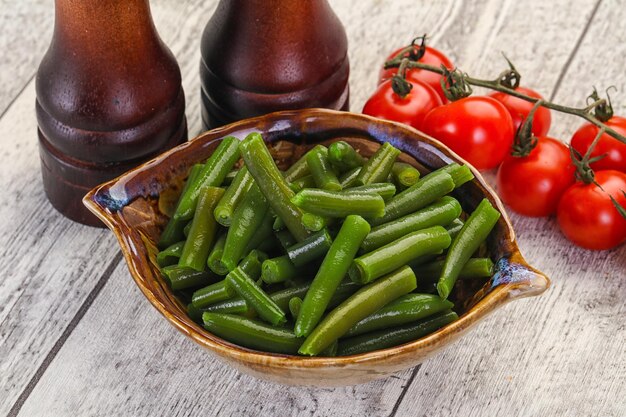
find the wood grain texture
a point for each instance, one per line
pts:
(145, 366)
(561, 354)
(51, 265)
(21, 46)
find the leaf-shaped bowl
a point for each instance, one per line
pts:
(129, 206)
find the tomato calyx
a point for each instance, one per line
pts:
(584, 172)
(413, 52)
(602, 109)
(399, 84)
(417, 51)
(454, 84)
(524, 141)
(509, 78)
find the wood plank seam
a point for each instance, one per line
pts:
(17, 406)
(572, 54)
(19, 93)
(405, 388)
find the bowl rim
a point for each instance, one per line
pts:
(533, 283)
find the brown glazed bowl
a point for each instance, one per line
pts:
(129, 206)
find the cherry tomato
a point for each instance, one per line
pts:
(431, 57)
(410, 110)
(479, 129)
(519, 110)
(587, 216)
(532, 185)
(614, 150)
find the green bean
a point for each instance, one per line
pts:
(473, 268)
(254, 296)
(212, 294)
(476, 229)
(232, 196)
(361, 304)
(212, 175)
(440, 213)
(460, 173)
(280, 269)
(331, 272)
(315, 222)
(321, 170)
(238, 305)
(454, 227)
(298, 169)
(253, 263)
(331, 350)
(248, 217)
(340, 204)
(263, 238)
(378, 167)
(203, 228)
(220, 291)
(173, 231)
(385, 259)
(251, 333)
(313, 247)
(300, 183)
(405, 174)
(348, 179)
(170, 255)
(182, 278)
(345, 289)
(194, 313)
(214, 261)
(230, 177)
(424, 259)
(285, 238)
(272, 184)
(406, 309)
(187, 229)
(294, 306)
(344, 157)
(384, 189)
(424, 192)
(384, 339)
(278, 224)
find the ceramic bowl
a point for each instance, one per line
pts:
(129, 206)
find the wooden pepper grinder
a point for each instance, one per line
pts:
(260, 56)
(109, 97)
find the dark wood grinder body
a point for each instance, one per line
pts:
(260, 56)
(109, 97)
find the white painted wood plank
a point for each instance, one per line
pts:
(139, 379)
(26, 27)
(50, 265)
(373, 399)
(125, 360)
(563, 353)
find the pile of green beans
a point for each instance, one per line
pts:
(338, 255)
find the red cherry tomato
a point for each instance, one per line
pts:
(614, 150)
(410, 110)
(519, 110)
(532, 185)
(587, 216)
(431, 57)
(479, 129)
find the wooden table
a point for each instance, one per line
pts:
(77, 338)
